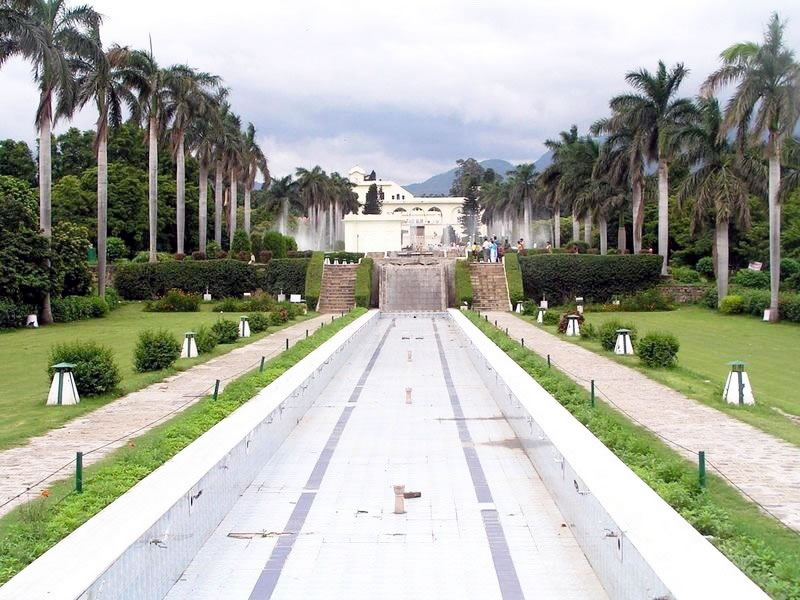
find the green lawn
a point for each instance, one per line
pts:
(24, 356)
(709, 340)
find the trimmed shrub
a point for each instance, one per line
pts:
(789, 267)
(227, 331)
(789, 307)
(77, 308)
(588, 331)
(646, 301)
(577, 246)
(529, 307)
(513, 278)
(287, 275)
(222, 254)
(213, 249)
(562, 277)
(222, 278)
(299, 254)
(258, 322)
(313, 282)
(564, 321)
(463, 283)
(12, 315)
(256, 243)
(711, 298)
(364, 283)
(95, 371)
(551, 317)
(156, 350)
(279, 316)
(685, 274)
(754, 302)
(116, 249)
(290, 243)
(144, 257)
(229, 305)
(658, 350)
(243, 256)
(179, 256)
(705, 266)
(241, 243)
(264, 256)
(275, 243)
(174, 301)
(751, 279)
(732, 304)
(206, 339)
(607, 333)
(291, 309)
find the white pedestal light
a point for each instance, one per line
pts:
(519, 308)
(737, 388)
(63, 390)
(540, 315)
(573, 326)
(766, 314)
(281, 297)
(189, 345)
(579, 304)
(624, 344)
(543, 303)
(244, 327)
(32, 321)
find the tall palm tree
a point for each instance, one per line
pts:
(100, 79)
(313, 189)
(791, 167)
(233, 158)
(719, 183)
(577, 163)
(651, 114)
(218, 132)
(555, 191)
(254, 161)
(766, 100)
(49, 34)
(522, 186)
(189, 94)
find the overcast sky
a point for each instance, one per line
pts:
(406, 88)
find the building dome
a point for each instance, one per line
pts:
(356, 174)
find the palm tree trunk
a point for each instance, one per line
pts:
(576, 226)
(45, 208)
(247, 187)
(234, 201)
(180, 209)
(774, 230)
(622, 242)
(721, 240)
(202, 206)
(587, 229)
(602, 224)
(663, 213)
(152, 187)
(638, 217)
(102, 208)
(557, 226)
(218, 189)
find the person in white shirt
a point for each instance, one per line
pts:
(486, 246)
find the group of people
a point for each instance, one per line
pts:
(492, 250)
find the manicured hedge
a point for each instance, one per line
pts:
(314, 279)
(222, 278)
(13, 315)
(364, 283)
(77, 308)
(514, 279)
(463, 283)
(597, 278)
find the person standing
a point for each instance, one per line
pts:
(493, 250)
(486, 249)
(521, 246)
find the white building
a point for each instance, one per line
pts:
(405, 220)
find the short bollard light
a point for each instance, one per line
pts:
(32, 321)
(189, 345)
(244, 326)
(207, 296)
(519, 308)
(624, 345)
(579, 304)
(737, 388)
(766, 314)
(63, 390)
(540, 315)
(573, 326)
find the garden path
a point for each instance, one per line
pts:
(766, 468)
(101, 431)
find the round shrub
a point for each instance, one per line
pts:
(156, 350)
(290, 243)
(197, 255)
(551, 317)
(705, 266)
(789, 267)
(258, 322)
(174, 301)
(244, 256)
(607, 333)
(241, 243)
(658, 350)
(278, 316)
(755, 302)
(711, 298)
(229, 305)
(275, 243)
(751, 279)
(206, 339)
(577, 247)
(256, 243)
(95, 371)
(222, 254)
(116, 249)
(685, 275)
(97, 307)
(227, 331)
(213, 249)
(732, 304)
(588, 331)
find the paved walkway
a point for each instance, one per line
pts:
(319, 521)
(138, 412)
(765, 467)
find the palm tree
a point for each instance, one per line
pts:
(577, 161)
(100, 79)
(218, 153)
(651, 114)
(188, 95)
(254, 161)
(148, 79)
(522, 191)
(313, 189)
(233, 158)
(719, 183)
(791, 167)
(766, 100)
(555, 192)
(50, 35)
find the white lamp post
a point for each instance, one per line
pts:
(244, 327)
(63, 390)
(189, 345)
(543, 303)
(737, 387)
(624, 344)
(519, 307)
(540, 315)
(579, 304)
(573, 326)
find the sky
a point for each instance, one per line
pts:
(407, 88)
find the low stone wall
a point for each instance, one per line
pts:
(684, 293)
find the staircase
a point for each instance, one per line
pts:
(489, 289)
(338, 292)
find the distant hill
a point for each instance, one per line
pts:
(440, 184)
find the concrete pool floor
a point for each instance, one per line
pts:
(318, 521)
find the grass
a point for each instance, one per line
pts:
(709, 340)
(24, 357)
(31, 529)
(767, 551)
